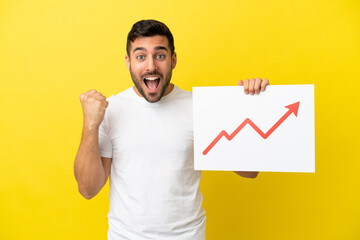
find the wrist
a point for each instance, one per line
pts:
(90, 127)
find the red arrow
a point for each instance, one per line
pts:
(293, 108)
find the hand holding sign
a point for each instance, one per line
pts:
(253, 86)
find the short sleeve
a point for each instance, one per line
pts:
(105, 145)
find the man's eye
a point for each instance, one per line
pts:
(140, 57)
(161, 56)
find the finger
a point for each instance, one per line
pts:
(82, 96)
(251, 86)
(91, 91)
(96, 94)
(86, 94)
(246, 86)
(257, 85)
(264, 83)
(240, 83)
(100, 97)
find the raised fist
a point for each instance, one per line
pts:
(94, 105)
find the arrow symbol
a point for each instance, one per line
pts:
(293, 108)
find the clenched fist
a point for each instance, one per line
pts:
(94, 105)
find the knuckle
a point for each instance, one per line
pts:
(92, 100)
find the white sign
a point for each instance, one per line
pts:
(273, 131)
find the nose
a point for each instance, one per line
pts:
(151, 65)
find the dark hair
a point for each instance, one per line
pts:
(149, 28)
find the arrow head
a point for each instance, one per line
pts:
(293, 108)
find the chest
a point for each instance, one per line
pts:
(142, 137)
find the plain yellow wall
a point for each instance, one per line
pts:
(51, 51)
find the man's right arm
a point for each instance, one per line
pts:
(91, 170)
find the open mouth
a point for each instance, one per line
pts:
(152, 83)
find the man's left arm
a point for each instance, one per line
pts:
(252, 86)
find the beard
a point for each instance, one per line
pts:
(152, 97)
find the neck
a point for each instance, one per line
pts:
(169, 89)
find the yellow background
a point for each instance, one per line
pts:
(51, 51)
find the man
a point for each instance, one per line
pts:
(143, 139)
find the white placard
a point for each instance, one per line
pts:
(273, 131)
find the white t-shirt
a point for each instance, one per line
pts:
(154, 189)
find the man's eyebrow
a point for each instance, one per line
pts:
(139, 49)
(161, 48)
(156, 48)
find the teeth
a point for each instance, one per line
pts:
(151, 78)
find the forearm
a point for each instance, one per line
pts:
(88, 168)
(247, 174)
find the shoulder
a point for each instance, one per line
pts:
(118, 104)
(182, 94)
(182, 100)
(121, 95)
(120, 98)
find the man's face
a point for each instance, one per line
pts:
(150, 64)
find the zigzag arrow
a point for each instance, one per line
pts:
(293, 108)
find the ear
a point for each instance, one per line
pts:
(173, 60)
(127, 60)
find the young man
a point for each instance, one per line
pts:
(143, 139)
